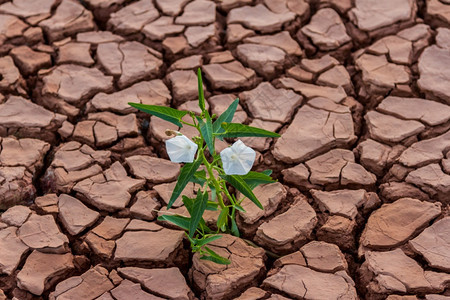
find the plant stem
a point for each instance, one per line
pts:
(187, 123)
(227, 193)
(214, 181)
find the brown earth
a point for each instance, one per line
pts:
(358, 89)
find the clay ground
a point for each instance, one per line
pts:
(358, 89)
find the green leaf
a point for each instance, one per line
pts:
(226, 116)
(197, 211)
(166, 113)
(222, 221)
(199, 177)
(203, 227)
(243, 187)
(239, 208)
(212, 206)
(241, 130)
(201, 97)
(234, 228)
(213, 191)
(206, 128)
(186, 173)
(208, 240)
(178, 220)
(221, 260)
(267, 172)
(188, 203)
(253, 179)
(214, 257)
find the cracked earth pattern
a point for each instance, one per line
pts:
(358, 90)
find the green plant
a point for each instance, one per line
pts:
(232, 166)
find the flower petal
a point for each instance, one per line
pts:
(237, 159)
(181, 149)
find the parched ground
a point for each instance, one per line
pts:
(358, 89)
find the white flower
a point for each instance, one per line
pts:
(237, 159)
(181, 149)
